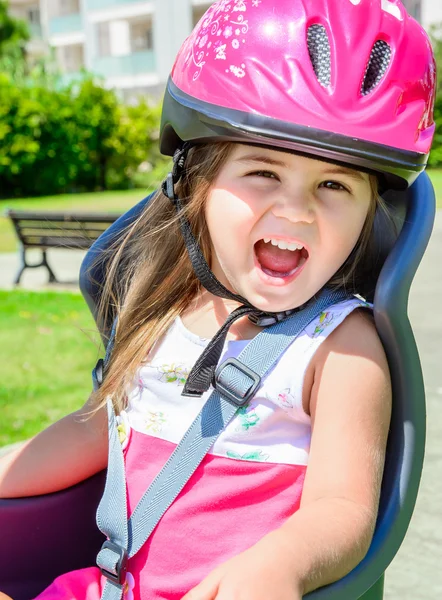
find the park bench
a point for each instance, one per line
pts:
(44, 230)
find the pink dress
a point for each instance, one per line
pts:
(248, 485)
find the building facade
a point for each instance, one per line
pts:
(427, 12)
(130, 43)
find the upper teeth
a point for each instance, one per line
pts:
(284, 245)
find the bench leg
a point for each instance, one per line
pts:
(25, 265)
(22, 267)
(44, 262)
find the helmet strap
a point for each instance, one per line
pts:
(202, 373)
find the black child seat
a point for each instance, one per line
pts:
(44, 536)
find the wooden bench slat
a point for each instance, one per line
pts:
(17, 215)
(26, 231)
(59, 242)
(58, 225)
(49, 236)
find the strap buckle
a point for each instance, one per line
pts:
(118, 573)
(227, 392)
(267, 319)
(168, 187)
(97, 374)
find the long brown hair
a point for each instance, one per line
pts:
(150, 280)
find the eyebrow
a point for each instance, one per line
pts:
(352, 173)
(261, 158)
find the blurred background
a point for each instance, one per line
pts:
(81, 83)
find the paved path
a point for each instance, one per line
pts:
(416, 572)
(65, 264)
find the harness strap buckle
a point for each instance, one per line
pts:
(112, 562)
(222, 383)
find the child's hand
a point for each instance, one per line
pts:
(267, 571)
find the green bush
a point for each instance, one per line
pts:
(436, 153)
(56, 139)
(135, 148)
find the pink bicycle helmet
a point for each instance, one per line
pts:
(352, 81)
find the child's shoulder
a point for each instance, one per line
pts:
(356, 333)
(352, 356)
(356, 336)
(333, 316)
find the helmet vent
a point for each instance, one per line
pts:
(377, 66)
(319, 50)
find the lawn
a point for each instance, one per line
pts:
(48, 347)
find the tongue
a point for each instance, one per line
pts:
(272, 258)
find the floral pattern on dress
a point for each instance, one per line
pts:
(123, 429)
(247, 417)
(257, 455)
(324, 320)
(285, 399)
(173, 373)
(155, 421)
(140, 386)
(128, 587)
(122, 432)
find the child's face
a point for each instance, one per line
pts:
(263, 194)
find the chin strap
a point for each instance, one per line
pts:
(202, 373)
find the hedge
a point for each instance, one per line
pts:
(74, 138)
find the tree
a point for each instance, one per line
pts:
(12, 31)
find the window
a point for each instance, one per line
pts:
(34, 15)
(103, 39)
(71, 58)
(68, 7)
(141, 36)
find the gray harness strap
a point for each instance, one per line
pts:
(236, 382)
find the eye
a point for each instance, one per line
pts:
(265, 174)
(334, 185)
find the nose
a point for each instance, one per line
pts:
(296, 207)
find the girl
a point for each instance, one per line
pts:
(280, 148)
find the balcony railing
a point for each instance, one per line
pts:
(66, 24)
(131, 64)
(101, 4)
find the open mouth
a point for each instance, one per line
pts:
(280, 259)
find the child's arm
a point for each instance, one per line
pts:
(65, 453)
(350, 405)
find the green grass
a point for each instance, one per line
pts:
(436, 178)
(48, 347)
(113, 202)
